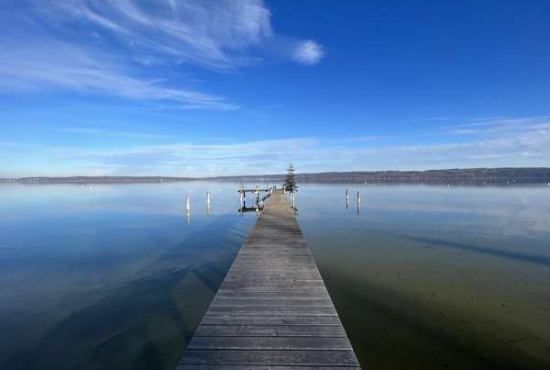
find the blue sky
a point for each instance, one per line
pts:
(205, 87)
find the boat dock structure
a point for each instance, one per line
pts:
(272, 311)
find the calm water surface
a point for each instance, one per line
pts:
(116, 276)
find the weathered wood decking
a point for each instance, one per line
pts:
(273, 311)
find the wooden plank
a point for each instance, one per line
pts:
(281, 270)
(272, 311)
(269, 320)
(260, 289)
(269, 357)
(310, 302)
(268, 252)
(272, 284)
(298, 275)
(261, 367)
(273, 261)
(273, 295)
(320, 331)
(270, 343)
(271, 276)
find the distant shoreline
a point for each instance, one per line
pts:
(469, 176)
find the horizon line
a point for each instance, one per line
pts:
(272, 174)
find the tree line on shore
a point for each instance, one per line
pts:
(473, 176)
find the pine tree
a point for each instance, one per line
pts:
(290, 181)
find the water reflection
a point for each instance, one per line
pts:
(112, 277)
(256, 209)
(109, 279)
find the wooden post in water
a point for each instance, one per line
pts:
(208, 203)
(358, 202)
(188, 210)
(347, 198)
(241, 196)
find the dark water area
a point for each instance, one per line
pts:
(110, 277)
(423, 277)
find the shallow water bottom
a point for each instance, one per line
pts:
(444, 287)
(423, 277)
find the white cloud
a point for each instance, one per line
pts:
(530, 147)
(51, 63)
(110, 133)
(206, 159)
(128, 48)
(214, 34)
(500, 126)
(308, 53)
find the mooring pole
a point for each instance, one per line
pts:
(188, 209)
(358, 202)
(241, 196)
(347, 198)
(208, 203)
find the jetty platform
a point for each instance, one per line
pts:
(272, 311)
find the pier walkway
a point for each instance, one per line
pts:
(272, 311)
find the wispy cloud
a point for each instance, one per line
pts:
(192, 159)
(56, 64)
(426, 119)
(110, 133)
(502, 126)
(495, 149)
(8, 143)
(128, 48)
(216, 34)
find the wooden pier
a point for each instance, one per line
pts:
(272, 311)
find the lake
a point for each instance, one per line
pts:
(423, 277)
